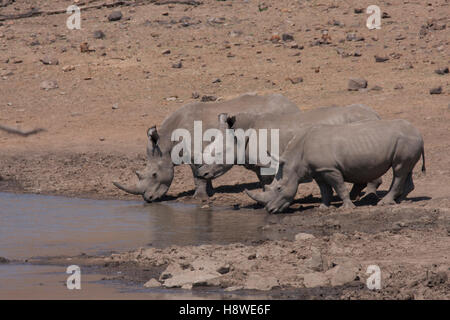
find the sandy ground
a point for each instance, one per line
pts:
(96, 119)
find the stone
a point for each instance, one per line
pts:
(115, 106)
(342, 274)
(442, 71)
(380, 59)
(224, 269)
(2, 259)
(303, 236)
(152, 283)
(115, 16)
(196, 277)
(68, 68)
(49, 61)
(258, 282)
(315, 279)
(98, 34)
(49, 85)
(177, 65)
(398, 87)
(355, 84)
(208, 98)
(217, 80)
(287, 37)
(352, 36)
(295, 80)
(436, 90)
(195, 95)
(167, 51)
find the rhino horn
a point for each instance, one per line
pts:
(133, 190)
(260, 197)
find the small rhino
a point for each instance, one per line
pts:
(357, 153)
(156, 178)
(288, 125)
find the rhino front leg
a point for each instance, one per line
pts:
(335, 179)
(395, 191)
(203, 187)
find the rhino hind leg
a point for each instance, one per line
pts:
(326, 193)
(355, 193)
(335, 179)
(408, 188)
(372, 186)
(395, 191)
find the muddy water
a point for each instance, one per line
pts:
(39, 226)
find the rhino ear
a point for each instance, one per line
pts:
(230, 121)
(153, 136)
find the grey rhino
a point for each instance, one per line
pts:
(288, 125)
(155, 179)
(357, 153)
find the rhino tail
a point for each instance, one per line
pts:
(424, 170)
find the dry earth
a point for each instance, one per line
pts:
(108, 96)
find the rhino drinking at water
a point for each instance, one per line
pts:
(156, 178)
(357, 153)
(288, 125)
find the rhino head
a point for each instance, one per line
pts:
(154, 181)
(277, 196)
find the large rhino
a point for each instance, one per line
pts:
(357, 153)
(288, 125)
(155, 179)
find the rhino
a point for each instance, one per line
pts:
(288, 125)
(155, 179)
(358, 153)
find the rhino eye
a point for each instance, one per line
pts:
(279, 188)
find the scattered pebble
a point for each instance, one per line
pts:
(49, 85)
(436, 90)
(49, 61)
(98, 34)
(115, 16)
(380, 59)
(442, 71)
(208, 98)
(355, 84)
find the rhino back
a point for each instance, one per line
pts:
(208, 113)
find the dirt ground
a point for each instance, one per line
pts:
(96, 120)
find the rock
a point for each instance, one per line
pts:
(84, 47)
(49, 61)
(315, 262)
(355, 84)
(49, 85)
(436, 90)
(287, 37)
(2, 259)
(167, 51)
(380, 59)
(376, 88)
(152, 283)
(177, 65)
(385, 15)
(342, 274)
(196, 277)
(352, 36)
(115, 16)
(303, 236)
(98, 34)
(115, 106)
(68, 68)
(295, 80)
(258, 282)
(315, 279)
(358, 10)
(398, 87)
(217, 80)
(442, 71)
(195, 95)
(275, 38)
(224, 269)
(207, 98)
